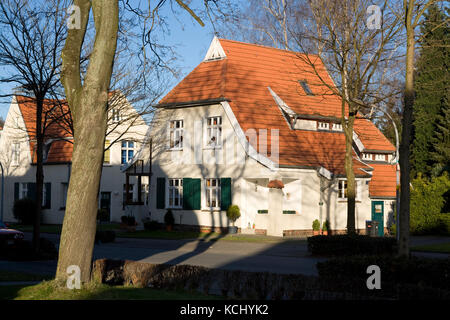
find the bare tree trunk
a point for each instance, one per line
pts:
(403, 228)
(350, 174)
(39, 174)
(88, 104)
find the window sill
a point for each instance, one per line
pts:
(212, 148)
(174, 149)
(211, 210)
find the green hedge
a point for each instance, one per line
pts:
(395, 271)
(336, 245)
(427, 202)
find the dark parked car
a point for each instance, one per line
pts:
(9, 236)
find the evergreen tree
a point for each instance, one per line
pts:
(432, 85)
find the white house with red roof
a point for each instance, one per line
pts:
(125, 133)
(252, 126)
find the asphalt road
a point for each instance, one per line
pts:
(280, 257)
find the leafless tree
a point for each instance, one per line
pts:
(31, 38)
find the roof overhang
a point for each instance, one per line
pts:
(195, 103)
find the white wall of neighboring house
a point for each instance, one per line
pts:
(249, 178)
(58, 175)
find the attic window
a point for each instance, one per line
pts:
(306, 87)
(323, 125)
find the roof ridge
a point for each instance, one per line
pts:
(268, 47)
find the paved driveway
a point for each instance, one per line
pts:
(278, 257)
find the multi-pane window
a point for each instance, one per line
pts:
(130, 192)
(213, 193)
(175, 193)
(23, 191)
(214, 132)
(367, 156)
(127, 151)
(380, 157)
(115, 115)
(15, 153)
(342, 189)
(337, 127)
(323, 125)
(64, 188)
(176, 134)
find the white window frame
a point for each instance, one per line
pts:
(213, 131)
(23, 190)
(115, 115)
(343, 197)
(382, 156)
(176, 130)
(15, 158)
(64, 190)
(337, 127)
(127, 148)
(212, 190)
(132, 190)
(367, 156)
(174, 191)
(323, 125)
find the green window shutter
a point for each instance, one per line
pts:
(196, 201)
(16, 191)
(160, 193)
(225, 193)
(31, 191)
(48, 195)
(191, 194)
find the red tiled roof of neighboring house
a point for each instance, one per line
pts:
(383, 182)
(57, 131)
(243, 78)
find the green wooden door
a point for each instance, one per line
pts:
(378, 215)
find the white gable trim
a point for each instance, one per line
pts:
(215, 51)
(358, 142)
(249, 149)
(283, 107)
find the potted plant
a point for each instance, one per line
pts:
(325, 227)
(169, 220)
(233, 213)
(316, 227)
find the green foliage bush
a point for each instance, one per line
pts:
(316, 225)
(151, 225)
(326, 225)
(169, 219)
(425, 272)
(24, 210)
(427, 201)
(336, 245)
(233, 213)
(128, 220)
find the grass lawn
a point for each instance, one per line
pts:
(439, 248)
(19, 276)
(163, 234)
(50, 291)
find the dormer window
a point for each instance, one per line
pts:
(380, 157)
(323, 125)
(337, 127)
(367, 156)
(306, 87)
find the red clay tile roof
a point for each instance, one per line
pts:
(243, 78)
(60, 150)
(383, 182)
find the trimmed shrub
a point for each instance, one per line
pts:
(326, 225)
(24, 210)
(128, 220)
(105, 236)
(424, 272)
(427, 202)
(350, 245)
(233, 213)
(169, 219)
(316, 225)
(151, 225)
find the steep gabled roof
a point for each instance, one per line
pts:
(242, 73)
(57, 132)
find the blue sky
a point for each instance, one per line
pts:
(191, 39)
